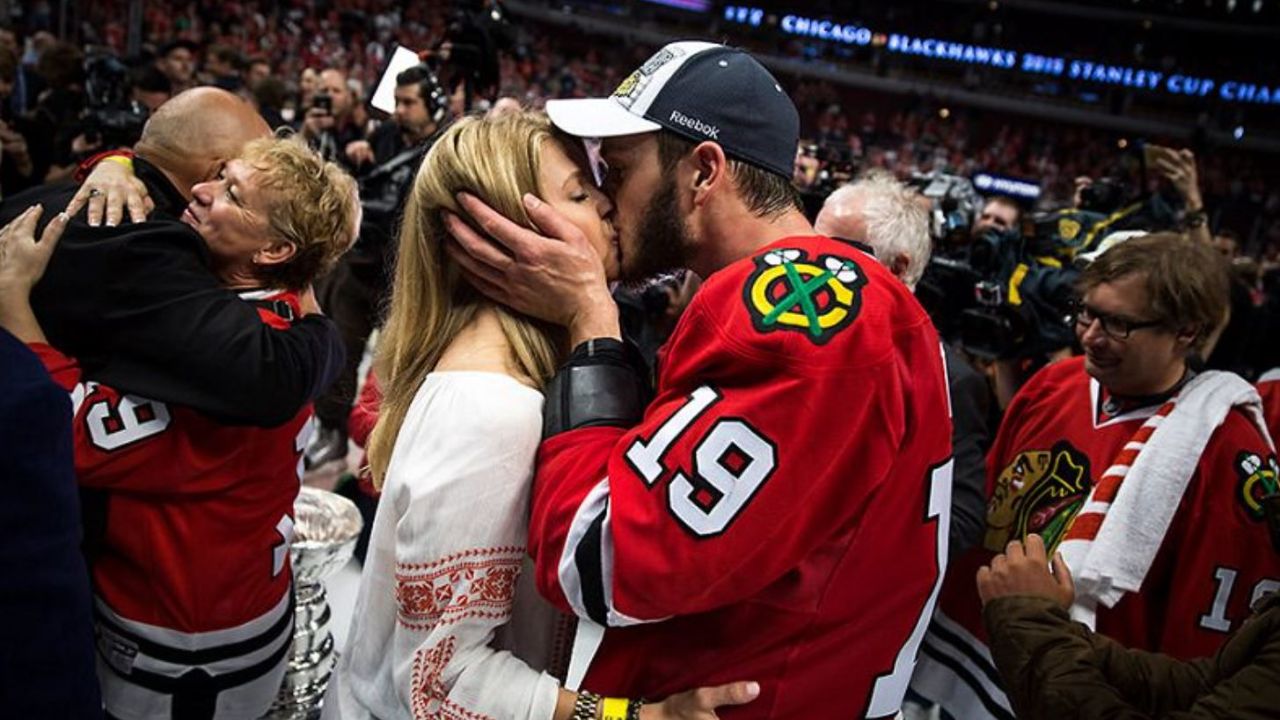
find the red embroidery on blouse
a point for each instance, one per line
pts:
(428, 689)
(476, 583)
(430, 696)
(451, 710)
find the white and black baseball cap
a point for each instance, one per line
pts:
(701, 91)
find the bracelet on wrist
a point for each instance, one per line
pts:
(86, 167)
(614, 708)
(124, 160)
(1194, 219)
(586, 706)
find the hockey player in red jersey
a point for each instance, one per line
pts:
(779, 512)
(194, 606)
(1125, 447)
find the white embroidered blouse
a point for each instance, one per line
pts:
(443, 572)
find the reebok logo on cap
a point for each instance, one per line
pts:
(695, 125)
(696, 90)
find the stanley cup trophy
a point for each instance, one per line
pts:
(325, 532)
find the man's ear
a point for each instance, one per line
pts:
(1187, 336)
(275, 253)
(899, 264)
(710, 168)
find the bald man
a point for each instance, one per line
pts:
(139, 304)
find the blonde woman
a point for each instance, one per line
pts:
(446, 625)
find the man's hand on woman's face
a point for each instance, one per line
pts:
(555, 276)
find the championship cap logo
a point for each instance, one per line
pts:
(818, 297)
(631, 88)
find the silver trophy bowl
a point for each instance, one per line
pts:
(326, 526)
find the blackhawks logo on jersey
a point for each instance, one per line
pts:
(1038, 493)
(1258, 479)
(817, 297)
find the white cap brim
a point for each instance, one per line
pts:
(597, 118)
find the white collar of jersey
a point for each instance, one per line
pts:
(260, 294)
(1096, 402)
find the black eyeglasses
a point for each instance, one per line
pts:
(1117, 328)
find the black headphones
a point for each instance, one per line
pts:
(429, 88)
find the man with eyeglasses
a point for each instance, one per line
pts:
(1068, 454)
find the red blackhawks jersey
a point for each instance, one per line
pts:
(1058, 437)
(781, 512)
(193, 571)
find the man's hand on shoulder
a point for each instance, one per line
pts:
(109, 189)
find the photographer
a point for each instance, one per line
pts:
(385, 164)
(987, 289)
(999, 213)
(329, 124)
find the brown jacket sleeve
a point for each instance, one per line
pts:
(1055, 668)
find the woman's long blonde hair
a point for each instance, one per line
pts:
(431, 302)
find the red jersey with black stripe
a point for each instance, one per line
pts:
(199, 515)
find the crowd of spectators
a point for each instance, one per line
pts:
(270, 51)
(273, 53)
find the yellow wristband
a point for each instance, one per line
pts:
(613, 709)
(121, 159)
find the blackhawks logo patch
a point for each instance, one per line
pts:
(1258, 479)
(817, 297)
(1038, 493)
